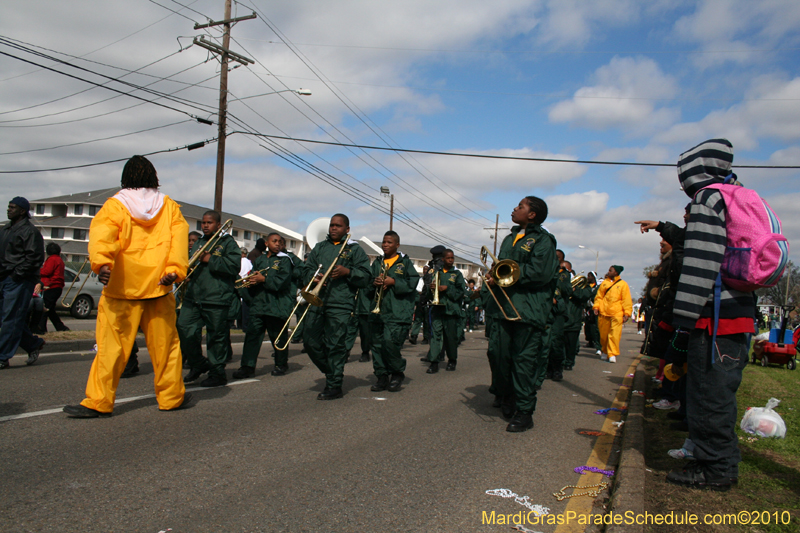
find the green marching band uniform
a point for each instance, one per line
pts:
(592, 330)
(271, 303)
(325, 327)
(492, 317)
(294, 282)
(555, 359)
(390, 327)
(207, 302)
(521, 344)
(446, 318)
(572, 325)
(360, 323)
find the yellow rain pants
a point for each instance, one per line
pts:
(610, 334)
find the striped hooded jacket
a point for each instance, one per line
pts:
(706, 164)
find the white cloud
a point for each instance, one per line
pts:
(624, 95)
(578, 206)
(574, 22)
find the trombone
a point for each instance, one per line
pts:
(311, 295)
(78, 275)
(505, 273)
(194, 262)
(379, 293)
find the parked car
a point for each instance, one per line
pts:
(82, 299)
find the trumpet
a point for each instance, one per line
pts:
(505, 273)
(379, 293)
(80, 270)
(194, 261)
(435, 300)
(247, 281)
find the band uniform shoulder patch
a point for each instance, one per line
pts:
(399, 270)
(530, 241)
(452, 278)
(276, 265)
(218, 250)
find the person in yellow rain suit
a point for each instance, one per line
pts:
(613, 307)
(137, 247)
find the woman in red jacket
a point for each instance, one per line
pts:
(52, 281)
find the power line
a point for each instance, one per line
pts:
(506, 157)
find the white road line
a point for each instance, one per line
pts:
(119, 401)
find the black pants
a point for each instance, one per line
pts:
(50, 297)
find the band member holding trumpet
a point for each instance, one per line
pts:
(207, 302)
(325, 326)
(395, 288)
(268, 291)
(521, 340)
(448, 290)
(137, 247)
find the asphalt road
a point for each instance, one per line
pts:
(265, 455)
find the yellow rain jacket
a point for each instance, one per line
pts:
(139, 252)
(613, 298)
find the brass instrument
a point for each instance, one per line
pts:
(379, 292)
(505, 273)
(435, 300)
(194, 261)
(580, 281)
(78, 275)
(312, 296)
(247, 281)
(288, 320)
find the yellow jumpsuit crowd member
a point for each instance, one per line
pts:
(613, 307)
(137, 247)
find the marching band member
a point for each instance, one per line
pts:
(563, 292)
(271, 300)
(207, 302)
(137, 247)
(523, 342)
(572, 325)
(395, 276)
(297, 274)
(359, 323)
(325, 327)
(446, 317)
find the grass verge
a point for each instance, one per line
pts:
(769, 474)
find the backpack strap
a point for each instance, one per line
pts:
(717, 300)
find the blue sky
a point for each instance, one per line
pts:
(593, 80)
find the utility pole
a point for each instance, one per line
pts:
(391, 211)
(225, 54)
(495, 228)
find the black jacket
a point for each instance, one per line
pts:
(21, 251)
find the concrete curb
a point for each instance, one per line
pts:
(87, 345)
(629, 479)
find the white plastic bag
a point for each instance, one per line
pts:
(764, 421)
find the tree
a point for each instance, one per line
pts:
(646, 273)
(777, 295)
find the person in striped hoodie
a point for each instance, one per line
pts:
(714, 375)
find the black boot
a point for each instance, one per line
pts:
(521, 422)
(383, 382)
(396, 382)
(434, 368)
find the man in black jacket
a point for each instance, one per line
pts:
(21, 257)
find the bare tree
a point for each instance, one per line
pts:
(778, 295)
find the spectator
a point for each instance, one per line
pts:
(52, 283)
(21, 256)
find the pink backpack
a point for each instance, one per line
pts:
(756, 252)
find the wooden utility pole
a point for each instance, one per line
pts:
(391, 211)
(225, 54)
(495, 228)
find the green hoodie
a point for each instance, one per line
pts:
(535, 253)
(275, 296)
(338, 293)
(213, 282)
(397, 303)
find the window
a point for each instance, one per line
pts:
(57, 233)
(78, 210)
(79, 234)
(40, 209)
(247, 235)
(199, 226)
(235, 233)
(93, 209)
(69, 275)
(293, 243)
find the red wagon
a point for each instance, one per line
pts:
(780, 349)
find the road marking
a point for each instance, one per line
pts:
(599, 456)
(119, 401)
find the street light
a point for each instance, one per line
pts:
(385, 192)
(301, 92)
(596, 257)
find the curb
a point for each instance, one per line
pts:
(87, 345)
(628, 495)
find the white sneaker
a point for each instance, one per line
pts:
(612, 358)
(599, 352)
(604, 357)
(680, 453)
(640, 333)
(665, 404)
(470, 331)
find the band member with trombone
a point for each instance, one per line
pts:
(581, 293)
(137, 247)
(395, 289)
(448, 290)
(268, 292)
(325, 325)
(21, 257)
(207, 302)
(522, 329)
